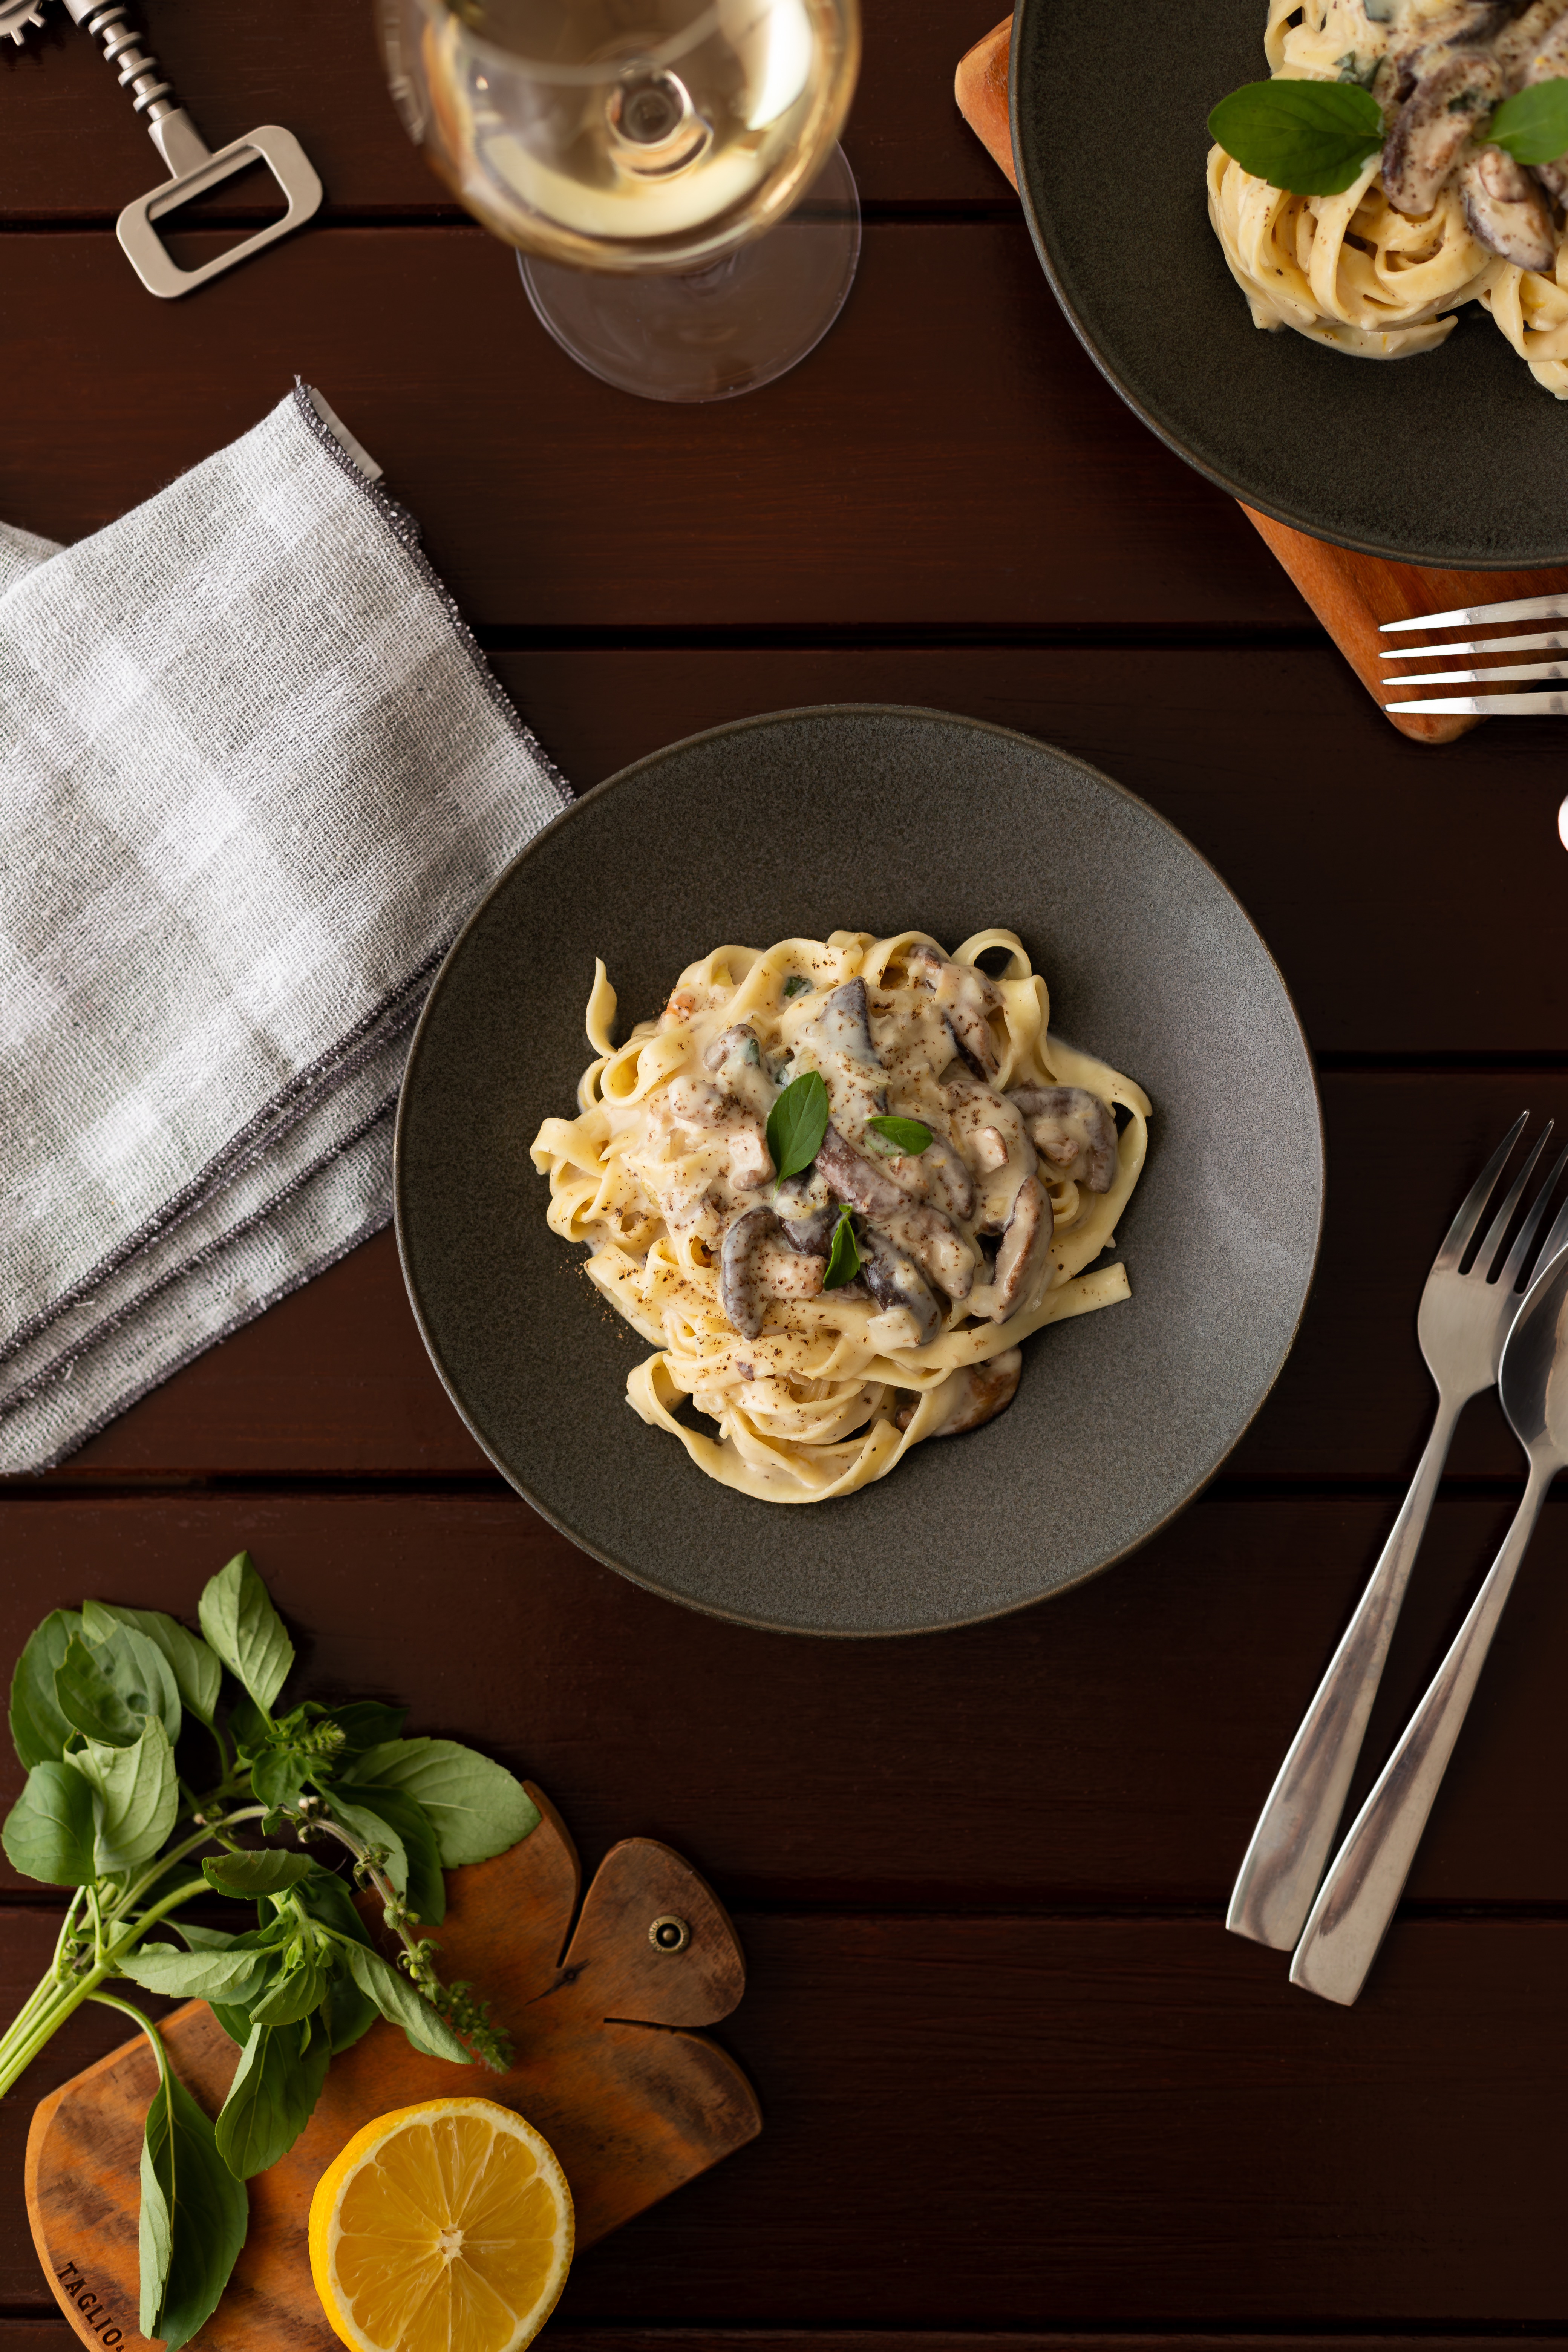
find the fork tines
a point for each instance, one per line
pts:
(1502, 705)
(1462, 1232)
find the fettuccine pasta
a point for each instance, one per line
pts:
(958, 1247)
(1437, 219)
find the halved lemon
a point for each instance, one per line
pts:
(441, 2228)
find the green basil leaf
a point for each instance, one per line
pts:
(796, 1125)
(366, 1722)
(135, 1668)
(350, 2014)
(196, 1672)
(290, 1995)
(398, 2001)
(795, 986)
(138, 1797)
(279, 1775)
(190, 1976)
(843, 1258)
(204, 1939)
(90, 1702)
(375, 1831)
(38, 1730)
(48, 1831)
(241, 1625)
(911, 1135)
(248, 1725)
(327, 1898)
(235, 2023)
(245, 1875)
(475, 1808)
(1533, 127)
(194, 2218)
(424, 1889)
(275, 2088)
(1310, 137)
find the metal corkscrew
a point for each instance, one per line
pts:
(196, 168)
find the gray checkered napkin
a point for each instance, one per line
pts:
(256, 771)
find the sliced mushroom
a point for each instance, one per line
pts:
(925, 1233)
(742, 1294)
(976, 1392)
(808, 1214)
(1433, 126)
(966, 997)
(736, 1060)
(1506, 211)
(1553, 178)
(1024, 1244)
(838, 1042)
(989, 1131)
(1524, 49)
(895, 1280)
(938, 1169)
(1073, 1130)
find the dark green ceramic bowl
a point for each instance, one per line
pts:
(1455, 457)
(873, 818)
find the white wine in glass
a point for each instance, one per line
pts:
(640, 152)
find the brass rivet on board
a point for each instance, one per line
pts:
(670, 1934)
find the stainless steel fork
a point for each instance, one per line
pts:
(1485, 706)
(1464, 1320)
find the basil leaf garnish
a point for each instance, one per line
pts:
(796, 1125)
(843, 1258)
(1533, 127)
(911, 1135)
(1311, 138)
(795, 986)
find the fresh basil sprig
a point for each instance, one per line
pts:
(1534, 126)
(1312, 138)
(844, 1257)
(100, 1698)
(906, 1135)
(796, 1125)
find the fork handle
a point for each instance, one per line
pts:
(1278, 1877)
(1351, 1916)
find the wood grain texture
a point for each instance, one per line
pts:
(1109, 1748)
(843, 495)
(1351, 594)
(1025, 2122)
(70, 147)
(633, 2104)
(52, 2335)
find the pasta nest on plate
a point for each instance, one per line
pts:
(965, 1243)
(1380, 279)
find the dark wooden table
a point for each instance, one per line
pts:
(1020, 2086)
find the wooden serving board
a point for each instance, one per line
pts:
(1351, 594)
(633, 2101)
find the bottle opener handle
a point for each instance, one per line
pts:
(193, 165)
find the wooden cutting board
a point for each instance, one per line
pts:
(633, 2101)
(1350, 594)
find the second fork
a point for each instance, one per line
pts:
(1462, 1321)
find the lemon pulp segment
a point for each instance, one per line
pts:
(442, 2228)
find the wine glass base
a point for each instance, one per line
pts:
(719, 331)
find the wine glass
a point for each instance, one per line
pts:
(670, 168)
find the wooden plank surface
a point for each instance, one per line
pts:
(1120, 1738)
(312, 65)
(1021, 2090)
(846, 495)
(983, 2122)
